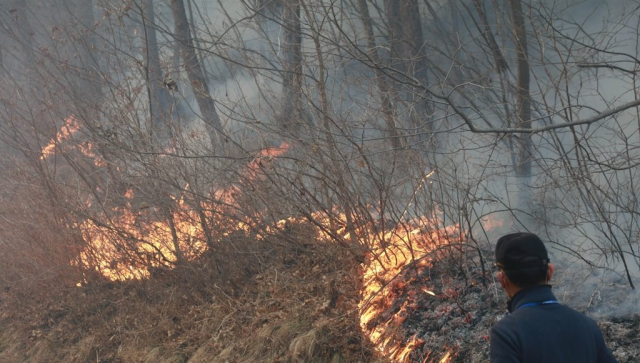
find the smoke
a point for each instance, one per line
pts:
(581, 196)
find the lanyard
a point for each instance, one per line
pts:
(548, 302)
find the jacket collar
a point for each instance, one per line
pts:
(531, 294)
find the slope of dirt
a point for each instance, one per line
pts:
(283, 303)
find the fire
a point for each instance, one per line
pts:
(409, 242)
(265, 158)
(87, 149)
(160, 243)
(155, 240)
(69, 128)
(252, 172)
(446, 358)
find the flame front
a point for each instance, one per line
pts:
(129, 244)
(409, 242)
(154, 242)
(69, 128)
(446, 358)
(113, 243)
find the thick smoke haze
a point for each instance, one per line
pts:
(392, 110)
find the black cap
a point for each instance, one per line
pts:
(520, 250)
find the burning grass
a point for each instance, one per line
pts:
(67, 130)
(274, 303)
(159, 286)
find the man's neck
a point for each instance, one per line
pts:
(512, 290)
(532, 294)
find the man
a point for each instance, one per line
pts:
(537, 328)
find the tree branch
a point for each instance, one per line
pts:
(513, 130)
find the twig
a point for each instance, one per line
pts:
(404, 268)
(415, 192)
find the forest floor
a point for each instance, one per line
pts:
(285, 304)
(457, 314)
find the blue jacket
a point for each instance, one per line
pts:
(546, 333)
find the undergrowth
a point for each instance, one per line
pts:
(253, 301)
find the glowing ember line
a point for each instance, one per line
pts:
(446, 358)
(405, 244)
(429, 292)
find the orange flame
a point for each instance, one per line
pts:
(159, 242)
(408, 243)
(69, 128)
(446, 358)
(155, 240)
(86, 148)
(261, 163)
(391, 252)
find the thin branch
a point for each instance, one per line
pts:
(513, 130)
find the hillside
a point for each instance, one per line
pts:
(281, 303)
(278, 305)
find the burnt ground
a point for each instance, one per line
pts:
(464, 305)
(623, 337)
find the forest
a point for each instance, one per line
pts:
(314, 181)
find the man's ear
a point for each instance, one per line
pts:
(501, 278)
(550, 270)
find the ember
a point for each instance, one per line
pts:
(410, 244)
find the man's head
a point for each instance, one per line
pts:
(523, 262)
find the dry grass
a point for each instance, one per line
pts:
(274, 302)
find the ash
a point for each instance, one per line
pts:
(450, 305)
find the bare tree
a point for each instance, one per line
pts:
(417, 67)
(522, 91)
(292, 110)
(89, 69)
(386, 93)
(523, 98)
(159, 97)
(21, 31)
(194, 70)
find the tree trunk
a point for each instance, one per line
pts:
(159, 98)
(292, 115)
(195, 73)
(89, 85)
(3, 71)
(523, 98)
(526, 207)
(501, 64)
(397, 46)
(24, 36)
(417, 67)
(384, 89)
(270, 12)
